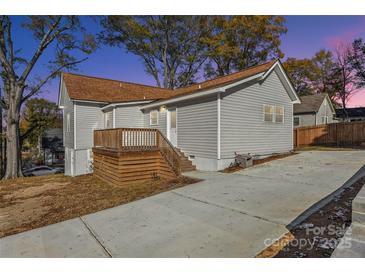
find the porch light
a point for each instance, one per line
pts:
(163, 109)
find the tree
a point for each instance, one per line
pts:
(314, 75)
(66, 35)
(324, 65)
(301, 74)
(357, 60)
(169, 46)
(38, 116)
(238, 42)
(344, 80)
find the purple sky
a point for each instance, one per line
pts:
(305, 36)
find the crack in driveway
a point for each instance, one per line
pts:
(94, 235)
(228, 208)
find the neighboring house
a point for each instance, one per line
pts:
(314, 110)
(52, 145)
(353, 114)
(250, 111)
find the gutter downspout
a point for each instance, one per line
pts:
(219, 126)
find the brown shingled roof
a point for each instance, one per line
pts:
(80, 87)
(310, 103)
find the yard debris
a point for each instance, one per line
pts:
(235, 167)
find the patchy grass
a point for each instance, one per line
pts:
(28, 203)
(319, 234)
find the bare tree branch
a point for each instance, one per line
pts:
(46, 40)
(36, 89)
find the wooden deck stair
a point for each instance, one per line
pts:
(185, 163)
(133, 155)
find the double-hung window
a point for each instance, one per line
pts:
(153, 117)
(274, 114)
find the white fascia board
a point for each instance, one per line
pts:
(202, 93)
(87, 101)
(124, 104)
(330, 103)
(251, 78)
(183, 98)
(59, 93)
(278, 64)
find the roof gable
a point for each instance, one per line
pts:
(311, 103)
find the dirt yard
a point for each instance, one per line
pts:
(319, 234)
(33, 202)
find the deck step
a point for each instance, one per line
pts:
(186, 164)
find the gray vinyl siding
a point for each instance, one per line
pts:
(197, 123)
(243, 128)
(324, 110)
(306, 120)
(161, 121)
(68, 108)
(89, 117)
(129, 116)
(83, 165)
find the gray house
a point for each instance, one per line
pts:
(314, 110)
(250, 111)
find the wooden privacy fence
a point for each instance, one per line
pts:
(339, 134)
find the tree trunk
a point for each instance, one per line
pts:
(13, 150)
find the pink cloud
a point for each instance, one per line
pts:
(345, 37)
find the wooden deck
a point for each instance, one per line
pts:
(133, 155)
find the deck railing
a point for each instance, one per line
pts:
(138, 139)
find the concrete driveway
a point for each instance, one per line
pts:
(227, 215)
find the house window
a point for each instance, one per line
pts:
(324, 119)
(296, 121)
(68, 123)
(279, 114)
(153, 118)
(274, 114)
(268, 113)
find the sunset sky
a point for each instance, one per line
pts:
(305, 36)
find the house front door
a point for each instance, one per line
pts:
(172, 126)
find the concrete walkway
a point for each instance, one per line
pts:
(227, 215)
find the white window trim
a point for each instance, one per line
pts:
(153, 124)
(274, 114)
